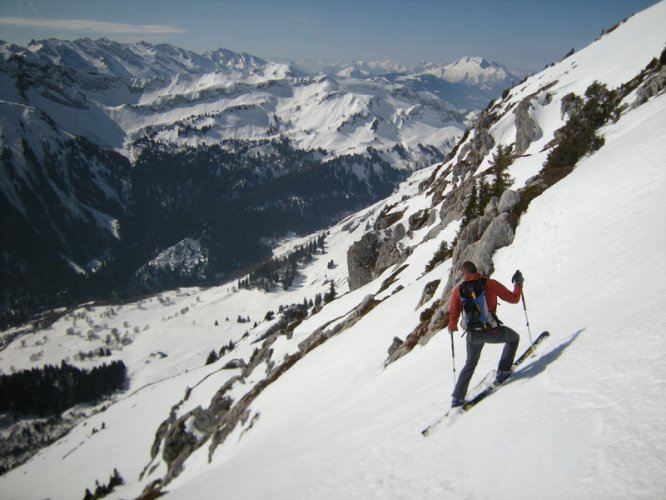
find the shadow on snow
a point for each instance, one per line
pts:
(540, 364)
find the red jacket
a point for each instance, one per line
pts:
(494, 289)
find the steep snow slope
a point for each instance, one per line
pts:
(581, 420)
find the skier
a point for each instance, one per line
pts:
(493, 331)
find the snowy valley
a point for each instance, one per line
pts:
(320, 388)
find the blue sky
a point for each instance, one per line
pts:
(522, 34)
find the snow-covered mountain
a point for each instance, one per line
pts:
(78, 117)
(327, 400)
(473, 71)
(468, 83)
(141, 62)
(219, 95)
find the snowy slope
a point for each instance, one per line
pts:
(583, 419)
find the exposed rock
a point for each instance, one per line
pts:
(371, 256)
(428, 292)
(496, 234)
(418, 220)
(653, 86)
(432, 217)
(235, 363)
(258, 357)
(508, 201)
(473, 152)
(180, 442)
(433, 319)
(472, 233)
(491, 209)
(386, 218)
(527, 130)
(395, 345)
(398, 233)
(361, 260)
(453, 206)
(389, 255)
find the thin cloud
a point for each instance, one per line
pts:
(92, 26)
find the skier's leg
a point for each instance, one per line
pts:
(510, 339)
(473, 355)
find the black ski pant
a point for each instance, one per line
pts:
(475, 342)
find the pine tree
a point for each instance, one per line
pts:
(502, 159)
(472, 208)
(331, 293)
(212, 358)
(484, 196)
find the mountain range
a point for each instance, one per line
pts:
(116, 154)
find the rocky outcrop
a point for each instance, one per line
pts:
(376, 251)
(386, 218)
(389, 255)
(398, 233)
(428, 292)
(508, 201)
(453, 206)
(527, 130)
(473, 152)
(478, 242)
(418, 219)
(652, 87)
(361, 260)
(235, 364)
(395, 345)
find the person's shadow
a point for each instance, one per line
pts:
(540, 364)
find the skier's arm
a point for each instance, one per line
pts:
(454, 310)
(512, 297)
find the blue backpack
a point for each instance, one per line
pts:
(476, 317)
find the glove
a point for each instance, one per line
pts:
(518, 278)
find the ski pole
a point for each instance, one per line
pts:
(522, 296)
(453, 356)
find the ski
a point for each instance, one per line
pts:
(469, 404)
(484, 388)
(445, 419)
(485, 383)
(429, 430)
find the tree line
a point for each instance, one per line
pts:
(53, 389)
(282, 270)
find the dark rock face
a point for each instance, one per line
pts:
(361, 260)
